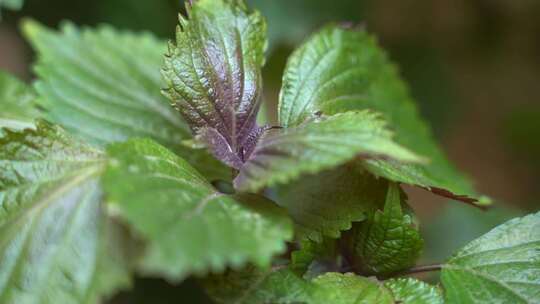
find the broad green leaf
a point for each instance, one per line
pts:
(213, 75)
(189, 226)
(284, 287)
(322, 143)
(17, 103)
(31, 161)
(503, 266)
(341, 69)
(56, 245)
(327, 203)
(104, 86)
(413, 291)
(389, 241)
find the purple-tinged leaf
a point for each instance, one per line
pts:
(319, 144)
(220, 148)
(213, 75)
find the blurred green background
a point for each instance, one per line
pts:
(473, 67)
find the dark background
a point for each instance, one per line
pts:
(472, 66)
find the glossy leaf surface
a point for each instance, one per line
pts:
(341, 69)
(189, 227)
(56, 245)
(503, 266)
(322, 143)
(413, 291)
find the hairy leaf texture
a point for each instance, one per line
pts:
(103, 85)
(16, 103)
(318, 144)
(389, 240)
(56, 244)
(213, 75)
(342, 69)
(32, 160)
(503, 266)
(189, 226)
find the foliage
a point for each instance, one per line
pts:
(102, 179)
(389, 240)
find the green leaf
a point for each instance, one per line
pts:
(284, 287)
(322, 143)
(413, 291)
(188, 225)
(389, 241)
(327, 203)
(213, 75)
(503, 266)
(17, 103)
(104, 86)
(56, 245)
(33, 160)
(338, 288)
(339, 70)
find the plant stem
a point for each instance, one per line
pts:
(413, 270)
(417, 269)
